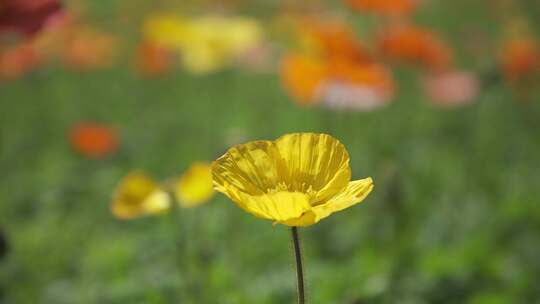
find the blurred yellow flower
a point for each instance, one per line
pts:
(195, 186)
(296, 180)
(166, 30)
(138, 195)
(206, 43)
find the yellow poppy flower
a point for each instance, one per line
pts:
(296, 180)
(138, 195)
(195, 186)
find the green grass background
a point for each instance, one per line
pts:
(453, 218)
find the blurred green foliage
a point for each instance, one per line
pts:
(453, 218)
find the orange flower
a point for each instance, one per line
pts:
(152, 59)
(18, 60)
(357, 86)
(87, 49)
(334, 39)
(301, 76)
(327, 42)
(336, 71)
(415, 45)
(383, 7)
(520, 58)
(360, 73)
(339, 83)
(93, 140)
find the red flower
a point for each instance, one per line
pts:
(94, 140)
(27, 16)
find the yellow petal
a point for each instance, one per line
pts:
(250, 175)
(354, 193)
(252, 168)
(307, 219)
(277, 206)
(195, 186)
(317, 164)
(138, 195)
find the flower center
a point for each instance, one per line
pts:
(302, 188)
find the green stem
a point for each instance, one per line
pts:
(184, 252)
(299, 267)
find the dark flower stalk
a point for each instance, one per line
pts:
(299, 266)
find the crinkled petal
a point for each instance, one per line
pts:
(354, 193)
(315, 163)
(307, 219)
(252, 168)
(277, 206)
